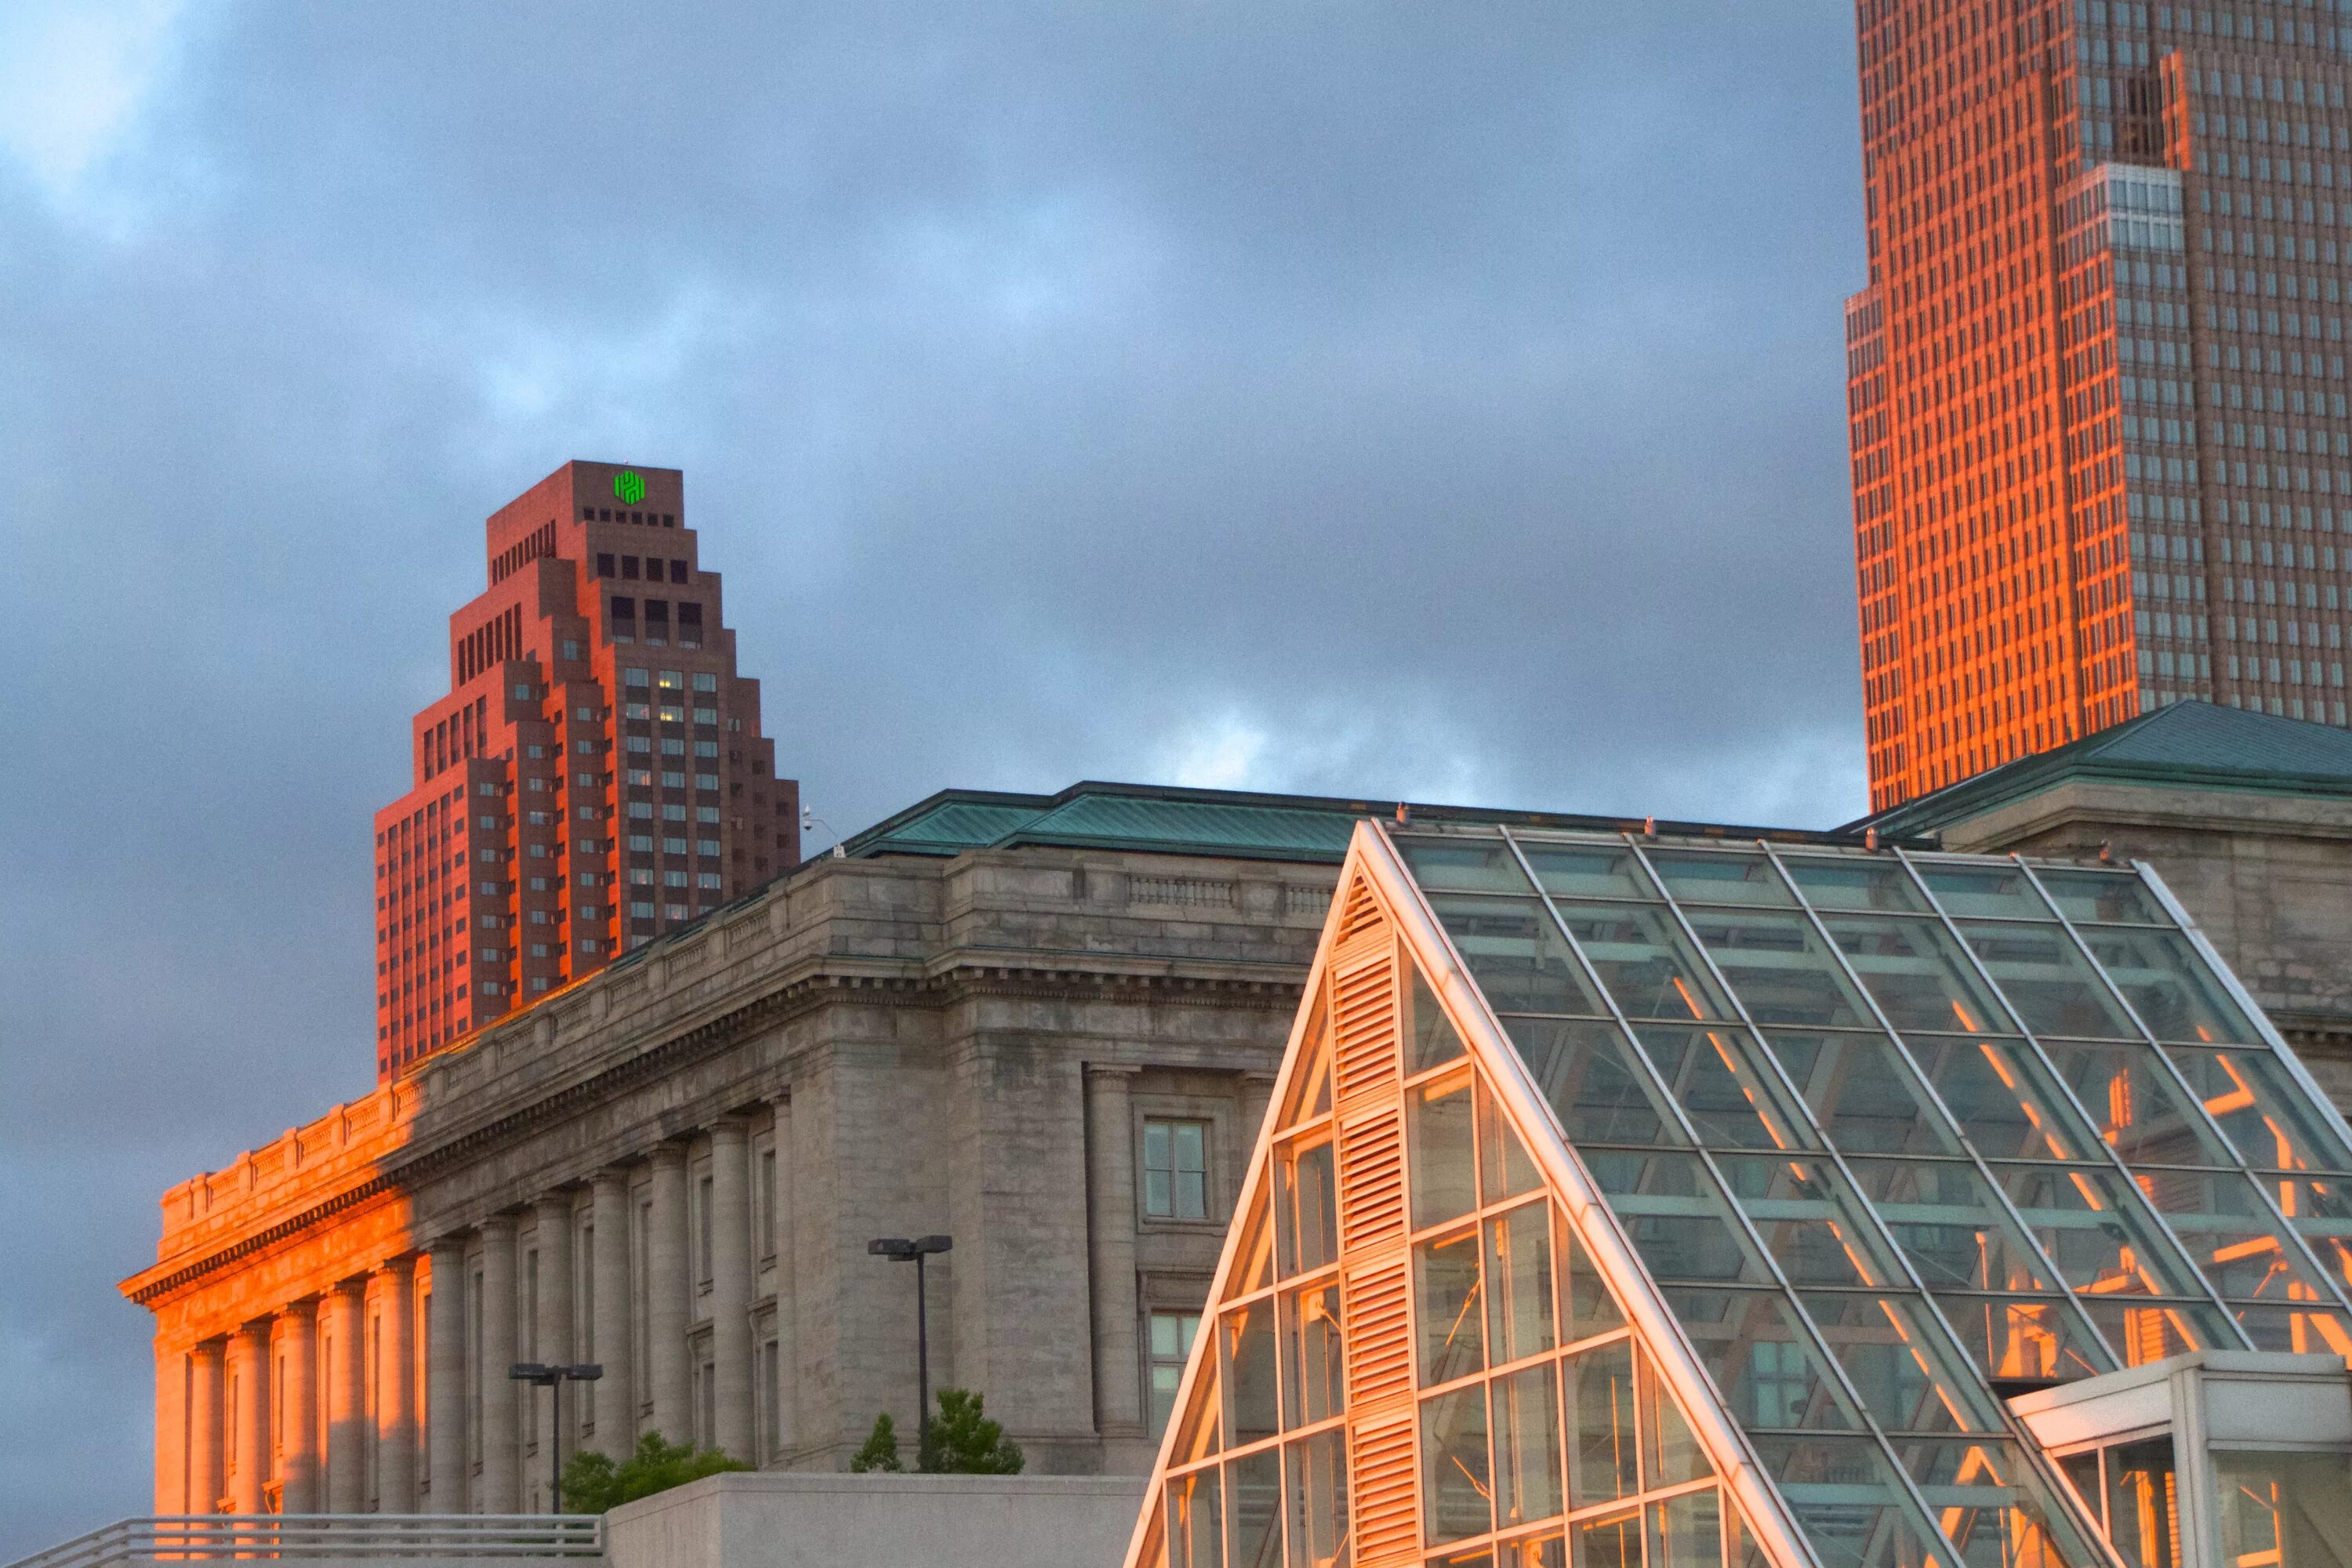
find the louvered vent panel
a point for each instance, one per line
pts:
(1384, 1492)
(1364, 1025)
(1379, 1341)
(1362, 912)
(1372, 1179)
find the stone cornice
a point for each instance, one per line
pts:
(963, 977)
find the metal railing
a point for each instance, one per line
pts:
(322, 1537)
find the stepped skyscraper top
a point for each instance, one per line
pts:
(596, 774)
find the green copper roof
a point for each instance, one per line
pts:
(2189, 745)
(1229, 823)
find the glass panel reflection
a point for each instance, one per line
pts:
(2047, 981)
(1456, 1494)
(1441, 1138)
(1980, 889)
(2284, 1510)
(2134, 1104)
(1429, 1039)
(2143, 1503)
(1603, 1439)
(2096, 897)
(1686, 1532)
(1716, 877)
(1892, 1356)
(2097, 1230)
(2014, 1339)
(1760, 1359)
(1845, 1501)
(1951, 1227)
(2168, 985)
(1642, 959)
(1612, 1541)
(1715, 1076)
(1312, 1359)
(2262, 1109)
(1254, 1510)
(1504, 1169)
(1585, 1071)
(1917, 974)
(1448, 1308)
(1591, 1309)
(1812, 1224)
(1779, 968)
(1586, 870)
(2004, 1100)
(1307, 1211)
(1460, 865)
(1318, 1475)
(1195, 1524)
(1527, 1446)
(1518, 1283)
(1670, 1207)
(1854, 882)
(1861, 1094)
(1246, 1342)
(1517, 954)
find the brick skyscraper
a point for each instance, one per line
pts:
(2101, 460)
(595, 776)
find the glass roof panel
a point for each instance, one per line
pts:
(2307, 1329)
(2032, 1338)
(1892, 1354)
(1993, 889)
(1856, 882)
(2168, 986)
(1714, 1076)
(1861, 1093)
(1951, 1227)
(1780, 970)
(1643, 961)
(2234, 1241)
(1678, 1222)
(2046, 979)
(2134, 1104)
(1430, 1037)
(1755, 1346)
(2102, 896)
(1917, 974)
(2007, 1105)
(1811, 1222)
(1719, 876)
(1586, 1071)
(1517, 954)
(1847, 1504)
(2262, 1109)
(1593, 869)
(1461, 864)
(2098, 1230)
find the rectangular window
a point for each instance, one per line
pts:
(765, 1199)
(1172, 1346)
(702, 1269)
(1176, 1169)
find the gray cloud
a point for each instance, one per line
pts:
(1383, 398)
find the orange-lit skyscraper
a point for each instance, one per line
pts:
(2102, 460)
(595, 776)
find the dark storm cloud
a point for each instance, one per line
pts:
(1442, 400)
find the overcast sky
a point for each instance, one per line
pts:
(1442, 400)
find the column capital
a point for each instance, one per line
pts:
(397, 1266)
(449, 1244)
(300, 1307)
(497, 1225)
(1111, 1069)
(669, 1153)
(732, 1129)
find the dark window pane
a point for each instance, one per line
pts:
(2168, 986)
(1440, 1134)
(2102, 896)
(1992, 891)
(1430, 1037)
(1603, 1440)
(2134, 1104)
(2002, 1098)
(2262, 1109)
(1751, 1344)
(1779, 969)
(1950, 1225)
(1916, 974)
(2046, 981)
(1254, 1510)
(1246, 1342)
(1668, 1205)
(1887, 1346)
(1454, 1477)
(1713, 1074)
(1448, 1308)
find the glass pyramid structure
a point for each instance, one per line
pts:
(1642, 1203)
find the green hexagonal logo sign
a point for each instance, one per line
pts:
(629, 486)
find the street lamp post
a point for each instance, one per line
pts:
(902, 1250)
(552, 1379)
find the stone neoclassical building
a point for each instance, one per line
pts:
(1043, 1025)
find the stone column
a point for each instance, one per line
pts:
(296, 1359)
(665, 1298)
(345, 1327)
(610, 1338)
(395, 1392)
(731, 1285)
(555, 1320)
(1110, 1252)
(786, 1414)
(502, 1459)
(205, 1480)
(249, 1375)
(172, 1444)
(445, 1378)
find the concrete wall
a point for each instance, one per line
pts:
(785, 1520)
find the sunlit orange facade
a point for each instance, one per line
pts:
(596, 774)
(2096, 382)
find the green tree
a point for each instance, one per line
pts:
(963, 1442)
(593, 1483)
(881, 1451)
